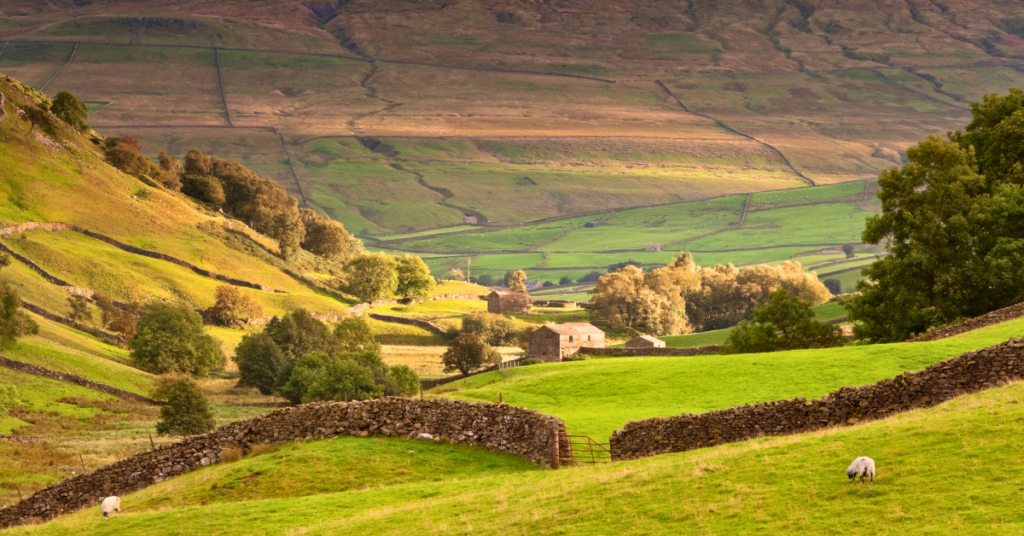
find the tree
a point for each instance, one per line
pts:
(468, 352)
(109, 311)
(548, 284)
(494, 329)
(14, 323)
(630, 299)
(485, 280)
(204, 188)
(260, 362)
(834, 286)
(126, 322)
(406, 379)
(298, 333)
(517, 282)
(590, 277)
(784, 322)
(354, 334)
(72, 111)
(234, 307)
(187, 412)
(287, 229)
(848, 251)
(79, 309)
(171, 170)
(328, 238)
(318, 376)
(565, 280)
(170, 339)
(414, 280)
(371, 276)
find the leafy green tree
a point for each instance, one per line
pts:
(78, 309)
(260, 362)
(565, 280)
(354, 334)
(517, 282)
(485, 280)
(234, 307)
(187, 412)
(784, 322)
(170, 339)
(72, 111)
(414, 280)
(371, 276)
(318, 376)
(328, 238)
(468, 352)
(14, 323)
(848, 251)
(834, 286)
(109, 311)
(406, 379)
(298, 333)
(590, 277)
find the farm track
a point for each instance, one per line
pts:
(70, 59)
(736, 132)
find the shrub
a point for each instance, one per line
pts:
(72, 111)
(531, 361)
(565, 280)
(468, 352)
(14, 323)
(848, 250)
(548, 284)
(187, 412)
(406, 379)
(170, 339)
(834, 286)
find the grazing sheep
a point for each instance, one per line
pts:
(863, 467)
(425, 436)
(110, 504)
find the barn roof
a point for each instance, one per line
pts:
(575, 328)
(504, 293)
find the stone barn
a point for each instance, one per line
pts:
(645, 341)
(470, 220)
(651, 247)
(555, 342)
(509, 303)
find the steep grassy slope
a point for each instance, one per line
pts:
(947, 469)
(596, 397)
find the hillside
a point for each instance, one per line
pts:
(927, 465)
(410, 115)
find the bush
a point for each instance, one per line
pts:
(14, 323)
(565, 280)
(406, 379)
(848, 251)
(834, 286)
(548, 284)
(784, 322)
(317, 376)
(577, 357)
(531, 361)
(170, 339)
(468, 352)
(72, 111)
(187, 412)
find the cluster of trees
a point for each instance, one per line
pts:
(302, 359)
(169, 339)
(239, 191)
(375, 276)
(683, 297)
(951, 220)
(481, 332)
(783, 322)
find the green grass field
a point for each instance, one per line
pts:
(942, 470)
(597, 396)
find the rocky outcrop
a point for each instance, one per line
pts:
(499, 427)
(967, 373)
(995, 317)
(77, 380)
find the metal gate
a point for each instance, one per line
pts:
(586, 451)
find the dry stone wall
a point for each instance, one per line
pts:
(624, 352)
(95, 332)
(71, 378)
(56, 226)
(967, 373)
(499, 427)
(995, 317)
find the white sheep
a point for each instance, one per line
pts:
(110, 504)
(863, 467)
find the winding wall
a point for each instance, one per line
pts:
(995, 317)
(71, 378)
(967, 373)
(499, 427)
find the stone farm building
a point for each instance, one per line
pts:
(509, 303)
(555, 342)
(471, 220)
(645, 341)
(650, 247)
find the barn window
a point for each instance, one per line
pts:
(570, 338)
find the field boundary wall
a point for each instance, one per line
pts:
(36, 370)
(967, 373)
(95, 332)
(498, 427)
(990, 319)
(627, 352)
